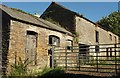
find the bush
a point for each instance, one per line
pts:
(52, 72)
(20, 68)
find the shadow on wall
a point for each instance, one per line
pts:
(5, 40)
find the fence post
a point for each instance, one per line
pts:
(115, 61)
(97, 60)
(66, 58)
(107, 53)
(53, 56)
(79, 60)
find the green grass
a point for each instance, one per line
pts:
(22, 11)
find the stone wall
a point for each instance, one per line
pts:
(60, 15)
(87, 35)
(86, 31)
(5, 39)
(17, 43)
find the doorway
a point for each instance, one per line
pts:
(83, 53)
(31, 47)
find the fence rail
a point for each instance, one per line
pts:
(104, 58)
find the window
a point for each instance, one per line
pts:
(69, 44)
(97, 36)
(54, 40)
(110, 37)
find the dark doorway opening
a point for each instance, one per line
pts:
(83, 53)
(50, 54)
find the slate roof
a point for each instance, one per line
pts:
(54, 3)
(69, 11)
(32, 19)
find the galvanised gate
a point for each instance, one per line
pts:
(103, 58)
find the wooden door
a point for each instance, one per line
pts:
(31, 47)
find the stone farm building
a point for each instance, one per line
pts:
(27, 36)
(88, 32)
(30, 37)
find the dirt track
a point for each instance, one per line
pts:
(78, 74)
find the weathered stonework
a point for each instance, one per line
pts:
(77, 24)
(20, 31)
(86, 31)
(17, 46)
(59, 15)
(14, 34)
(87, 35)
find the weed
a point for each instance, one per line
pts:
(20, 68)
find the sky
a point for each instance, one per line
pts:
(91, 10)
(60, 0)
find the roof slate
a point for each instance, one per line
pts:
(54, 3)
(71, 11)
(32, 19)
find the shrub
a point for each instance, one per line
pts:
(20, 68)
(52, 72)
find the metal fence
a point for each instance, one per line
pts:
(103, 58)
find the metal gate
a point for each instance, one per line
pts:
(103, 58)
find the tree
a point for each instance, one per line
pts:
(111, 22)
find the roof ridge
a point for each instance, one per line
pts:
(30, 19)
(62, 6)
(73, 12)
